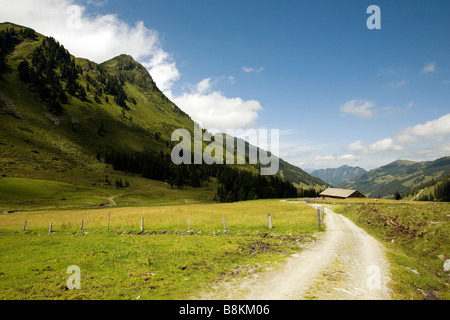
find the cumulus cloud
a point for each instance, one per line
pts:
(430, 132)
(356, 146)
(350, 157)
(213, 110)
(359, 108)
(429, 67)
(104, 36)
(383, 145)
(204, 86)
(387, 144)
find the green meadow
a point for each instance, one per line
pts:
(166, 260)
(22, 194)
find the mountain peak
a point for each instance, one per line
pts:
(122, 59)
(132, 71)
(403, 162)
(338, 175)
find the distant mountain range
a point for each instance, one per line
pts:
(339, 175)
(399, 176)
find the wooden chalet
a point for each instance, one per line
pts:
(333, 193)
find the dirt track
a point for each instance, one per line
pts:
(345, 263)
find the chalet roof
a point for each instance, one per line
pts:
(339, 193)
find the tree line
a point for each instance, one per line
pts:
(241, 185)
(159, 168)
(234, 184)
(416, 189)
(52, 72)
(441, 192)
(106, 84)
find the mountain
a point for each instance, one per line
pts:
(339, 175)
(70, 120)
(400, 176)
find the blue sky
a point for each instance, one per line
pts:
(338, 92)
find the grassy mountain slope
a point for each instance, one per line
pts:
(433, 190)
(55, 128)
(399, 176)
(339, 175)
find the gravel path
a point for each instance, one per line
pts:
(345, 263)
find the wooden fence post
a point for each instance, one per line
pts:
(224, 225)
(319, 216)
(82, 224)
(189, 224)
(270, 221)
(109, 218)
(50, 228)
(142, 224)
(24, 225)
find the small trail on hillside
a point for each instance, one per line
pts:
(345, 263)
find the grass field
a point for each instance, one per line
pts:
(163, 262)
(22, 194)
(416, 235)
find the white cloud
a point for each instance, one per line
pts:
(387, 144)
(417, 139)
(213, 110)
(204, 86)
(428, 130)
(429, 67)
(356, 146)
(383, 145)
(324, 158)
(444, 148)
(359, 108)
(250, 70)
(350, 157)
